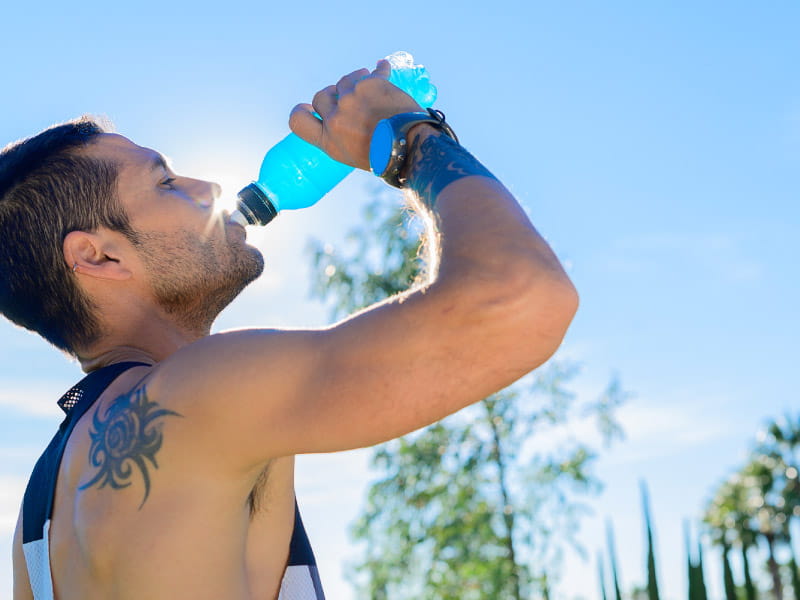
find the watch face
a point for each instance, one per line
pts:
(380, 147)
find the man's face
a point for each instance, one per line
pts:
(196, 261)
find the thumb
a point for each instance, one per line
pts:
(306, 125)
(383, 69)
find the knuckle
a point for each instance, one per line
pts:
(347, 101)
(334, 123)
(362, 84)
(324, 93)
(370, 83)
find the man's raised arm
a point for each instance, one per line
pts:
(496, 306)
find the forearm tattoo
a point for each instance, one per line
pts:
(437, 162)
(128, 434)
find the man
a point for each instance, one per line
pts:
(176, 479)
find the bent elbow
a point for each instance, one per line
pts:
(569, 300)
(540, 311)
(556, 303)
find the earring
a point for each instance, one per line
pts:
(75, 268)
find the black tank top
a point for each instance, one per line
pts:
(300, 580)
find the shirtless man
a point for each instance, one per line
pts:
(177, 481)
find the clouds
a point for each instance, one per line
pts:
(670, 427)
(28, 398)
(722, 256)
(11, 491)
(657, 425)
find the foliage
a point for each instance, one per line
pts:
(758, 503)
(727, 575)
(652, 579)
(470, 507)
(602, 577)
(612, 555)
(795, 576)
(696, 576)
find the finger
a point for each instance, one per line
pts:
(324, 101)
(383, 69)
(305, 124)
(348, 82)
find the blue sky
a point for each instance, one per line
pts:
(655, 145)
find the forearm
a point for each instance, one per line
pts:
(480, 229)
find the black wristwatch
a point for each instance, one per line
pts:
(389, 147)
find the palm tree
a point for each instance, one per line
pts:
(779, 452)
(766, 505)
(716, 516)
(728, 519)
(780, 442)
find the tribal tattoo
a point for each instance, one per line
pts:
(437, 162)
(128, 434)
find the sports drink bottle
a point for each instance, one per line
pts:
(296, 174)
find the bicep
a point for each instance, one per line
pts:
(399, 367)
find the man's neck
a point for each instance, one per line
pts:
(116, 355)
(139, 333)
(150, 350)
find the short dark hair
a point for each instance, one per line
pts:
(48, 188)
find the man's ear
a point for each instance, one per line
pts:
(97, 254)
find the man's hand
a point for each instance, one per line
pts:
(496, 305)
(349, 112)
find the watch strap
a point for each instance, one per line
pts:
(400, 125)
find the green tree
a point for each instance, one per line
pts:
(696, 576)
(720, 521)
(767, 510)
(760, 502)
(793, 573)
(652, 579)
(701, 578)
(728, 519)
(612, 556)
(779, 447)
(602, 577)
(469, 507)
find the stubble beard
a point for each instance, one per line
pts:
(194, 279)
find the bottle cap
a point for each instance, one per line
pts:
(237, 217)
(255, 205)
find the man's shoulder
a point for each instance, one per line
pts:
(232, 362)
(225, 395)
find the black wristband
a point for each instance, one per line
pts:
(389, 146)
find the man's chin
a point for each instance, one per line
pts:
(255, 265)
(217, 300)
(249, 267)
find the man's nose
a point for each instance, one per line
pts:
(206, 192)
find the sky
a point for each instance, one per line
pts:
(655, 145)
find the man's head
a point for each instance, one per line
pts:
(47, 189)
(87, 216)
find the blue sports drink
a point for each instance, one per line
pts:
(296, 174)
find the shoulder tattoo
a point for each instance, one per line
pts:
(128, 434)
(437, 162)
